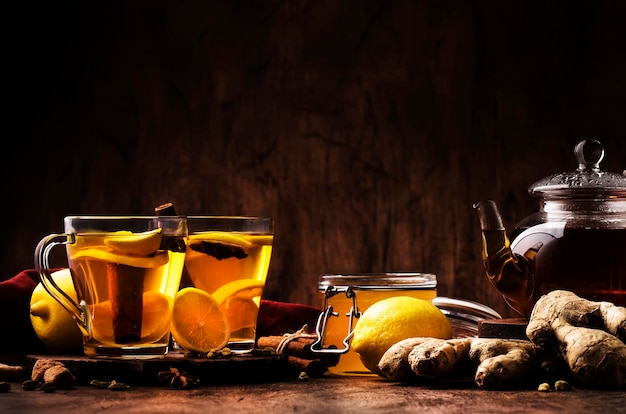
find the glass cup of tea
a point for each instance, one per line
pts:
(344, 297)
(229, 257)
(126, 273)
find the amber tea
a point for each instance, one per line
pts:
(368, 289)
(589, 262)
(229, 257)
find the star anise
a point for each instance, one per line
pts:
(178, 380)
(219, 250)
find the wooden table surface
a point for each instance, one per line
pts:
(328, 394)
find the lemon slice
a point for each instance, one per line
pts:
(198, 323)
(153, 318)
(157, 260)
(242, 288)
(240, 312)
(262, 239)
(138, 244)
(221, 237)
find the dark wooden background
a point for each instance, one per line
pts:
(366, 128)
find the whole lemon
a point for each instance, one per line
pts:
(51, 322)
(391, 320)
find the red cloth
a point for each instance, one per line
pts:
(18, 336)
(278, 318)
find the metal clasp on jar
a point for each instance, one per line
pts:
(328, 312)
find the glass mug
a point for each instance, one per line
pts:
(229, 257)
(126, 272)
(344, 297)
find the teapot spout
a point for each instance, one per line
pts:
(511, 274)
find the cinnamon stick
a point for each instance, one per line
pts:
(166, 209)
(300, 347)
(126, 297)
(172, 243)
(314, 368)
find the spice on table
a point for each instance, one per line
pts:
(562, 385)
(118, 386)
(177, 380)
(544, 387)
(48, 387)
(30, 385)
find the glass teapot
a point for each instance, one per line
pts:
(576, 241)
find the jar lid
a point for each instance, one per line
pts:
(588, 181)
(376, 281)
(464, 315)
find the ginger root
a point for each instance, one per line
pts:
(394, 363)
(503, 364)
(495, 363)
(590, 336)
(435, 358)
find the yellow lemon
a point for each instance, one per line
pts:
(198, 323)
(51, 322)
(391, 320)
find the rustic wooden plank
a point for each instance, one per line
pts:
(233, 370)
(334, 394)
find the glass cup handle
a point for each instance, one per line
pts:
(322, 321)
(42, 266)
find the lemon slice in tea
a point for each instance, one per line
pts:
(242, 288)
(150, 262)
(198, 323)
(153, 318)
(138, 244)
(241, 312)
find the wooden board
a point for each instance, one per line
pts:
(233, 370)
(507, 328)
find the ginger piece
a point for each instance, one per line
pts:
(504, 363)
(10, 372)
(434, 358)
(60, 376)
(394, 363)
(40, 368)
(590, 336)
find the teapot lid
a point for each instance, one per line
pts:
(588, 181)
